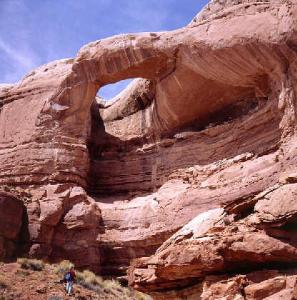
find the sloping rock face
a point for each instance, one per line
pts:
(206, 135)
(213, 243)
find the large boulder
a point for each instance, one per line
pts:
(11, 221)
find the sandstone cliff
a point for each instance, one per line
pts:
(205, 137)
(11, 221)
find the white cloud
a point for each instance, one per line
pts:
(26, 61)
(18, 60)
(16, 54)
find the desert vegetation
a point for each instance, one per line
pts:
(36, 279)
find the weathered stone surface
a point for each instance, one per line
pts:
(64, 223)
(11, 212)
(266, 288)
(279, 206)
(83, 215)
(220, 247)
(218, 287)
(267, 284)
(11, 220)
(209, 128)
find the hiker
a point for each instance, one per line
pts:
(69, 278)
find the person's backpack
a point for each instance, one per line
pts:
(68, 276)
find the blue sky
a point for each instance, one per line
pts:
(34, 32)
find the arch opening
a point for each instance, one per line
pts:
(109, 91)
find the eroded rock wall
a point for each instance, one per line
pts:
(209, 127)
(121, 165)
(12, 221)
(255, 236)
(33, 148)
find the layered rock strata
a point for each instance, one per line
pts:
(219, 242)
(208, 129)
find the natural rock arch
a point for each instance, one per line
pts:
(190, 76)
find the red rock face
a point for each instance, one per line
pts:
(11, 220)
(206, 138)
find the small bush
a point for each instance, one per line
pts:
(89, 277)
(141, 296)
(89, 280)
(112, 284)
(22, 272)
(55, 298)
(3, 284)
(63, 267)
(97, 284)
(31, 264)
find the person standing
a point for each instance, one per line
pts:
(70, 278)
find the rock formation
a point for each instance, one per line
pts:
(205, 137)
(11, 221)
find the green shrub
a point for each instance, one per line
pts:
(31, 264)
